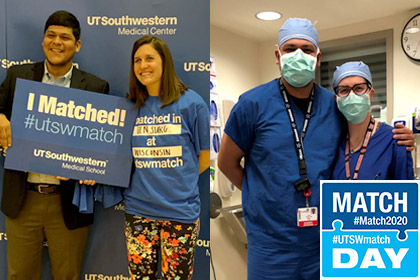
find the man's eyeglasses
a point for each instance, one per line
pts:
(358, 89)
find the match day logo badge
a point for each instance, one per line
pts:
(369, 230)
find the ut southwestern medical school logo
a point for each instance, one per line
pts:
(77, 134)
(369, 230)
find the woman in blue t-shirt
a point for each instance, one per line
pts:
(369, 151)
(170, 146)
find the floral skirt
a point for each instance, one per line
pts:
(148, 239)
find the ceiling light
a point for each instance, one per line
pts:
(268, 15)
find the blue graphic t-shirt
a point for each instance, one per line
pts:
(166, 143)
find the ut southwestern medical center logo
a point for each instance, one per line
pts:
(138, 26)
(369, 229)
(155, 25)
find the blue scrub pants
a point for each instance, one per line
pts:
(275, 264)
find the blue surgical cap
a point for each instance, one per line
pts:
(298, 28)
(354, 68)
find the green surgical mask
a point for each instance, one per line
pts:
(298, 68)
(354, 107)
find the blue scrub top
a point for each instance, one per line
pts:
(384, 159)
(260, 127)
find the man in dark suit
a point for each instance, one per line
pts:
(38, 207)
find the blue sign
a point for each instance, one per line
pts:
(369, 229)
(71, 133)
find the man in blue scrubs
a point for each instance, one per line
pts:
(288, 131)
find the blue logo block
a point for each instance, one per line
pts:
(369, 229)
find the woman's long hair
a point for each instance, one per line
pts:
(171, 86)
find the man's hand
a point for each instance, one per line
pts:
(229, 161)
(5, 132)
(86, 182)
(404, 135)
(62, 178)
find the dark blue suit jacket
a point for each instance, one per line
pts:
(14, 182)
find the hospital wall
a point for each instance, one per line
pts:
(404, 73)
(237, 70)
(404, 88)
(242, 64)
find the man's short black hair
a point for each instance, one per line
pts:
(64, 18)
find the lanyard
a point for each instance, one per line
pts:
(298, 140)
(365, 144)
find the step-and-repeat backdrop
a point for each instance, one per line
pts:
(3, 60)
(109, 29)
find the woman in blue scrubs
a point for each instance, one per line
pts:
(369, 151)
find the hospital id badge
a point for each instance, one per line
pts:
(307, 217)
